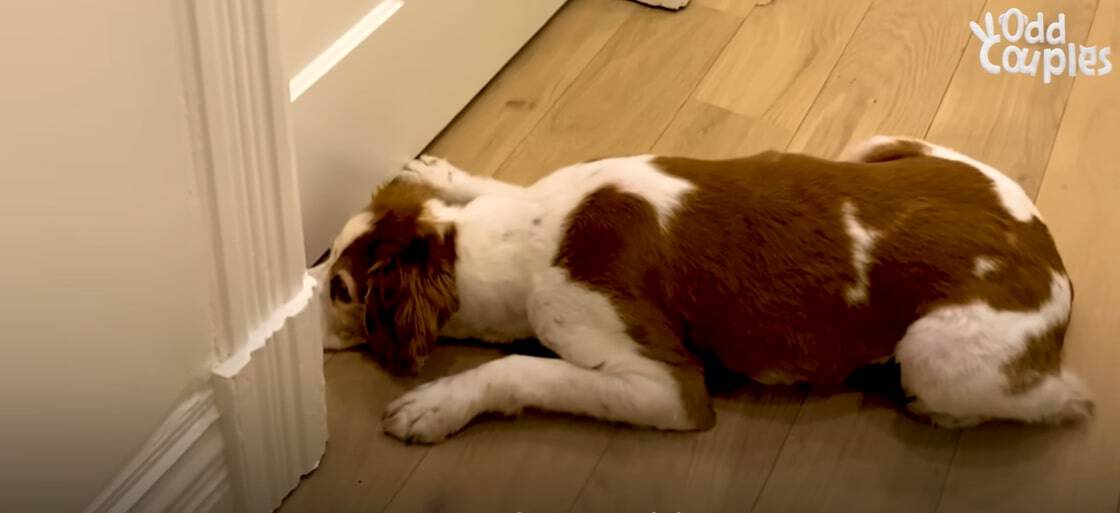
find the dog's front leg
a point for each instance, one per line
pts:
(433, 411)
(605, 373)
(456, 185)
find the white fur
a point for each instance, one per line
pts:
(432, 412)
(355, 227)
(337, 339)
(947, 360)
(499, 248)
(332, 339)
(863, 242)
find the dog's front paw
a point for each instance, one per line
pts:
(430, 413)
(434, 171)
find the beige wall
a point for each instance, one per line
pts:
(106, 325)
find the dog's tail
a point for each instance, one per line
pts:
(883, 148)
(1059, 398)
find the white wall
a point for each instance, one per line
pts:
(106, 325)
(386, 100)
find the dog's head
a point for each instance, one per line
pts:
(391, 276)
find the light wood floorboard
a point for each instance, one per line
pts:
(513, 103)
(628, 94)
(892, 76)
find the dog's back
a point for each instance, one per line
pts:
(789, 268)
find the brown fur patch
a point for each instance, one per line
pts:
(1041, 358)
(780, 216)
(754, 269)
(614, 244)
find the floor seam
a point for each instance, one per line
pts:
(406, 480)
(778, 455)
(831, 74)
(956, 70)
(948, 472)
(1065, 108)
(703, 76)
(591, 473)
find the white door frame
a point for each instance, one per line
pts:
(268, 381)
(242, 443)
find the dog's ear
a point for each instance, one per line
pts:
(409, 298)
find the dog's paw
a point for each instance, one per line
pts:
(430, 413)
(434, 171)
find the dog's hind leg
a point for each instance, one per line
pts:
(966, 364)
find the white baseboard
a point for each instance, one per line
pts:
(271, 399)
(180, 469)
(267, 386)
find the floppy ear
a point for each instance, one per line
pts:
(409, 298)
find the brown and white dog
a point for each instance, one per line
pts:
(781, 267)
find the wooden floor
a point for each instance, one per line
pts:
(728, 78)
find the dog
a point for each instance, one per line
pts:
(643, 272)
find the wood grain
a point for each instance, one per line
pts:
(629, 92)
(892, 76)
(501, 116)
(719, 470)
(1006, 120)
(859, 454)
(1012, 469)
(535, 463)
(702, 130)
(780, 58)
(765, 81)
